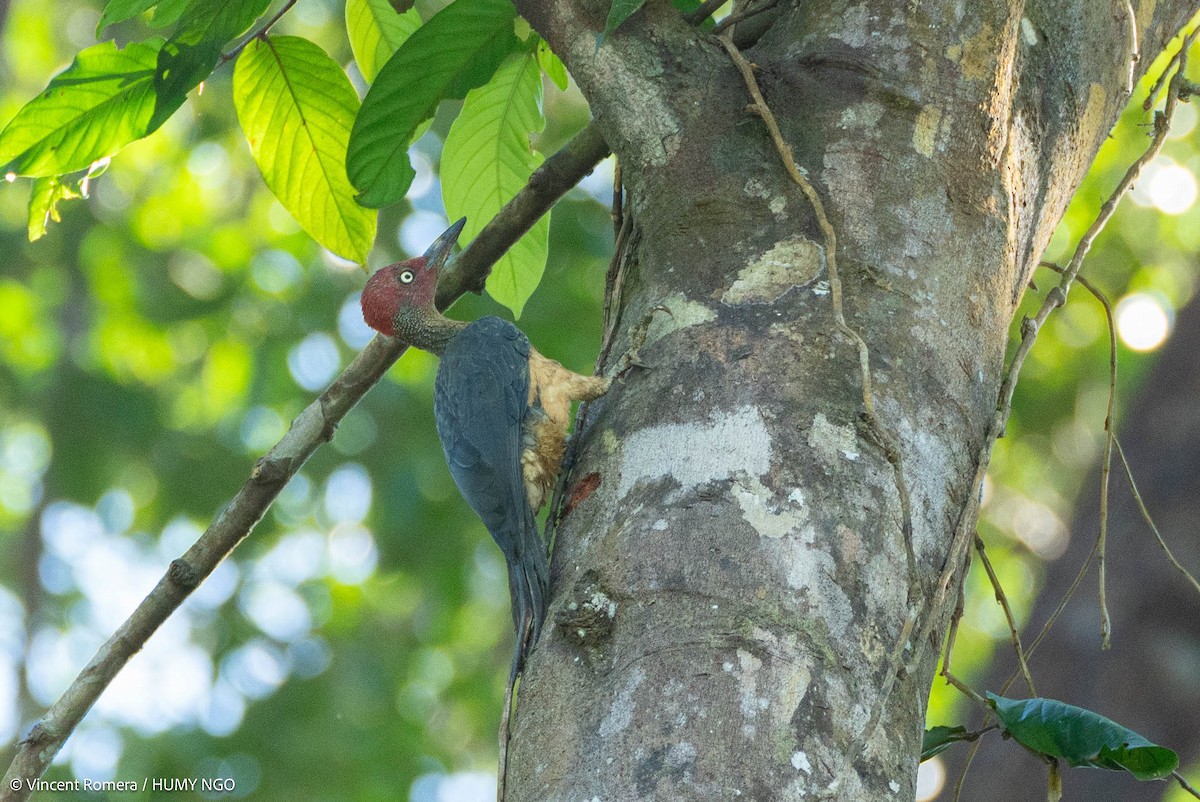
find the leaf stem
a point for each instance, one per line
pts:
(261, 33)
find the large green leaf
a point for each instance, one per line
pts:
(296, 106)
(376, 31)
(457, 50)
(485, 162)
(1081, 737)
(92, 109)
(194, 49)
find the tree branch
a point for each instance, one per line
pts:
(312, 427)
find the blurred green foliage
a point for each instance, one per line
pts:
(160, 338)
(152, 346)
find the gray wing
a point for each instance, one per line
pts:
(480, 400)
(479, 403)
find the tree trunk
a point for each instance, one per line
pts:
(732, 582)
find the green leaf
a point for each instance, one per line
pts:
(168, 12)
(1082, 737)
(119, 11)
(552, 65)
(192, 52)
(296, 106)
(938, 739)
(43, 203)
(618, 12)
(376, 32)
(485, 162)
(457, 50)
(91, 110)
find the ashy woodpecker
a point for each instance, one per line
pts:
(502, 411)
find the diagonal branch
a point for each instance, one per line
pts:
(311, 428)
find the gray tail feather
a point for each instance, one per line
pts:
(529, 587)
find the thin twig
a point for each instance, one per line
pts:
(1156, 87)
(525, 635)
(706, 10)
(258, 34)
(745, 13)
(1162, 543)
(1087, 562)
(1013, 634)
(502, 754)
(1054, 782)
(618, 200)
(1101, 549)
(962, 775)
(955, 621)
(614, 278)
(311, 428)
(1185, 785)
(1135, 54)
(967, 690)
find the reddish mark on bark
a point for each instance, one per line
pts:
(579, 494)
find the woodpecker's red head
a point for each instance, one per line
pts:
(408, 284)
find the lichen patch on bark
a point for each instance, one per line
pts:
(792, 262)
(832, 443)
(683, 313)
(620, 715)
(770, 517)
(1094, 117)
(695, 454)
(926, 129)
(751, 702)
(976, 55)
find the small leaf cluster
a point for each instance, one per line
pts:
(328, 158)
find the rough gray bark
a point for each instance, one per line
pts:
(1147, 681)
(731, 582)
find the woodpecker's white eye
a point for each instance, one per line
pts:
(406, 277)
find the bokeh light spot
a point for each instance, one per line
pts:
(348, 493)
(419, 230)
(1143, 321)
(352, 554)
(351, 326)
(931, 776)
(275, 271)
(314, 361)
(1172, 189)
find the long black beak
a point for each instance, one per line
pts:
(440, 250)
